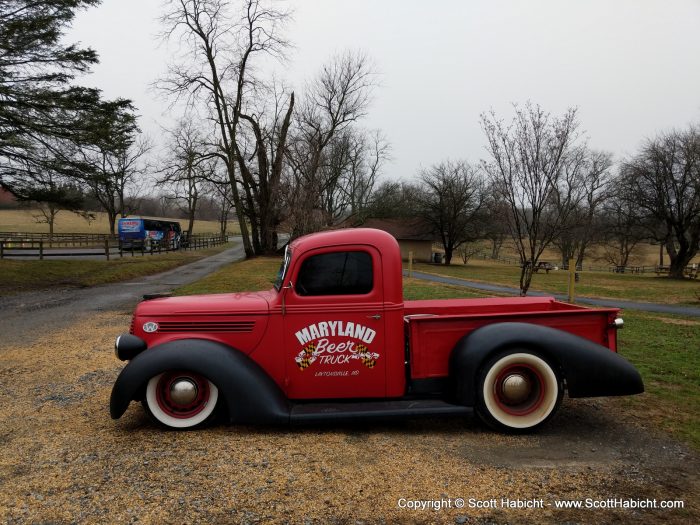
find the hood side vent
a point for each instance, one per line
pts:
(206, 326)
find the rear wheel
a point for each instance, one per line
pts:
(518, 391)
(181, 399)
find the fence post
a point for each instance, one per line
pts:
(107, 248)
(41, 250)
(572, 279)
(410, 264)
(2, 249)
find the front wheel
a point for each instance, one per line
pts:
(518, 392)
(180, 399)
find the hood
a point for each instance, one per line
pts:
(246, 303)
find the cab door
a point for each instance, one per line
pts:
(334, 325)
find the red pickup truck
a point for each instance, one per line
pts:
(334, 339)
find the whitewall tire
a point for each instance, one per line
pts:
(518, 391)
(181, 399)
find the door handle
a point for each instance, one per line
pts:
(375, 317)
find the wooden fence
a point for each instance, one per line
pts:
(690, 271)
(23, 247)
(59, 239)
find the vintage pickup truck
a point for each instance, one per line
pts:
(334, 339)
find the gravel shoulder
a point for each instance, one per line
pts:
(63, 460)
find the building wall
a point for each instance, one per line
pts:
(422, 250)
(6, 197)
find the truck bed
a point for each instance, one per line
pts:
(433, 327)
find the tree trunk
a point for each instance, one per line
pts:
(680, 258)
(525, 277)
(247, 247)
(624, 256)
(679, 262)
(496, 247)
(448, 256)
(190, 223)
(223, 223)
(581, 255)
(112, 216)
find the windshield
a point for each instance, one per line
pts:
(283, 268)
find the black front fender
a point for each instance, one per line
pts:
(590, 370)
(251, 395)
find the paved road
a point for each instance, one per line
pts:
(612, 303)
(25, 316)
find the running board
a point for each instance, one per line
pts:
(341, 410)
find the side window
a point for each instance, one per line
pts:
(339, 273)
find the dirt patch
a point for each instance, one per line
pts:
(63, 460)
(681, 322)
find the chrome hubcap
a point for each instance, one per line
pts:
(183, 391)
(515, 388)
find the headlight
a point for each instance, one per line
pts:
(128, 346)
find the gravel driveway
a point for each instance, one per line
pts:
(63, 460)
(24, 316)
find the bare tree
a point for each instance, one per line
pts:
(528, 166)
(621, 224)
(338, 97)
(451, 200)
(664, 178)
(369, 151)
(222, 196)
(467, 250)
(187, 167)
(589, 172)
(348, 174)
(392, 199)
(222, 39)
(262, 179)
(495, 228)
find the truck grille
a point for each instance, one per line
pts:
(206, 326)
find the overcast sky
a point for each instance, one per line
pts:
(630, 66)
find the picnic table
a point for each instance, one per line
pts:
(543, 265)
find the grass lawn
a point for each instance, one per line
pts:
(665, 349)
(632, 287)
(22, 275)
(252, 275)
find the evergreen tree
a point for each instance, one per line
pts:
(44, 118)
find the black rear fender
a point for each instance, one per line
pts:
(590, 370)
(251, 395)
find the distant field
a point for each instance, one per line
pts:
(644, 254)
(67, 222)
(646, 287)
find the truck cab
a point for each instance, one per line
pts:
(334, 339)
